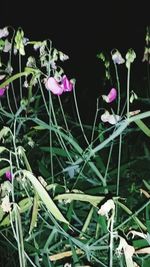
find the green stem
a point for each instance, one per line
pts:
(78, 115)
(128, 92)
(118, 87)
(20, 82)
(119, 161)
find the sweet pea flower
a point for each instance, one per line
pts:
(8, 175)
(52, 85)
(110, 118)
(116, 57)
(111, 96)
(66, 84)
(4, 32)
(2, 91)
(6, 205)
(106, 208)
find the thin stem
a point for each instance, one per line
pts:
(128, 91)
(62, 111)
(118, 87)
(111, 240)
(8, 101)
(148, 76)
(20, 81)
(50, 138)
(78, 115)
(94, 124)
(13, 92)
(108, 161)
(119, 161)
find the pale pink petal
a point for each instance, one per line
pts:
(105, 116)
(4, 32)
(116, 57)
(52, 85)
(113, 119)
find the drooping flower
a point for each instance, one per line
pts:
(2, 91)
(111, 96)
(111, 118)
(52, 85)
(4, 32)
(6, 205)
(130, 57)
(146, 56)
(57, 88)
(116, 57)
(7, 46)
(66, 84)
(63, 56)
(106, 207)
(8, 175)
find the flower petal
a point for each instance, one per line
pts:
(116, 57)
(52, 85)
(113, 119)
(2, 91)
(66, 84)
(105, 116)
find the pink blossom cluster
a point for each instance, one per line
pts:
(58, 88)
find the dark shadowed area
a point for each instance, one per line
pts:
(81, 30)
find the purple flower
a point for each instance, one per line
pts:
(66, 84)
(111, 96)
(8, 175)
(2, 91)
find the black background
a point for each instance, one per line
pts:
(81, 29)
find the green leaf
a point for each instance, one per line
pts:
(2, 148)
(94, 200)
(143, 127)
(50, 205)
(58, 151)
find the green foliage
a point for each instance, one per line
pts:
(71, 194)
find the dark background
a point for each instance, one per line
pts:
(81, 30)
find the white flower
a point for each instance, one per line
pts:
(62, 56)
(106, 207)
(67, 265)
(116, 57)
(6, 205)
(7, 46)
(130, 57)
(111, 118)
(4, 32)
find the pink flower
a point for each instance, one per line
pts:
(66, 84)
(2, 91)
(8, 175)
(111, 96)
(52, 85)
(58, 88)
